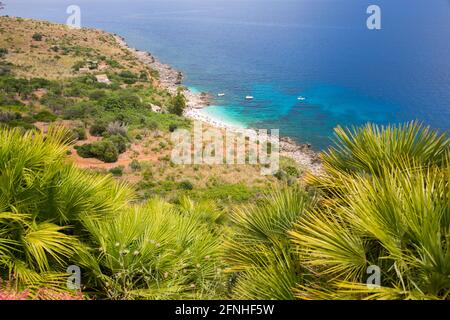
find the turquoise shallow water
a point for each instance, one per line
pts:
(277, 50)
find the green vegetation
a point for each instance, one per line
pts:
(104, 150)
(198, 232)
(392, 213)
(54, 214)
(43, 200)
(177, 104)
(292, 243)
(117, 171)
(37, 36)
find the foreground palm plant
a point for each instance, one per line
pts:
(42, 198)
(155, 251)
(399, 222)
(386, 205)
(260, 252)
(371, 149)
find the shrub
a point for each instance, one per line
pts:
(97, 129)
(97, 95)
(177, 104)
(56, 103)
(74, 112)
(135, 165)
(5, 69)
(292, 171)
(7, 116)
(45, 116)
(104, 150)
(117, 171)
(280, 175)
(120, 142)
(117, 128)
(173, 127)
(127, 74)
(186, 185)
(3, 52)
(78, 65)
(124, 101)
(37, 36)
(153, 125)
(79, 133)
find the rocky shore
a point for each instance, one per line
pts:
(172, 80)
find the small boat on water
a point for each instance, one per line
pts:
(221, 94)
(249, 98)
(301, 98)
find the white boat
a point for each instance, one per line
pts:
(301, 98)
(249, 98)
(221, 94)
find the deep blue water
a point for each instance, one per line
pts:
(277, 50)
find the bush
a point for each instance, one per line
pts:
(97, 129)
(280, 175)
(292, 171)
(56, 103)
(117, 171)
(173, 127)
(135, 165)
(79, 133)
(74, 112)
(124, 101)
(186, 185)
(5, 69)
(104, 150)
(7, 116)
(3, 52)
(177, 104)
(127, 74)
(153, 125)
(120, 142)
(97, 95)
(117, 128)
(37, 36)
(45, 116)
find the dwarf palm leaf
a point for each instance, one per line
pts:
(370, 148)
(398, 221)
(260, 252)
(155, 251)
(41, 196)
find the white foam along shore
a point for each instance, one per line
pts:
(172, 79)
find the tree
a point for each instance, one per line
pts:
(178, 104)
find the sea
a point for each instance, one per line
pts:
(310, 65)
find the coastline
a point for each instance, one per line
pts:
(172, 79)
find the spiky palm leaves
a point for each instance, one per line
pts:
(155, 251)
(371, 148)
(40, 198)
(386, 204)
(260, 252)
